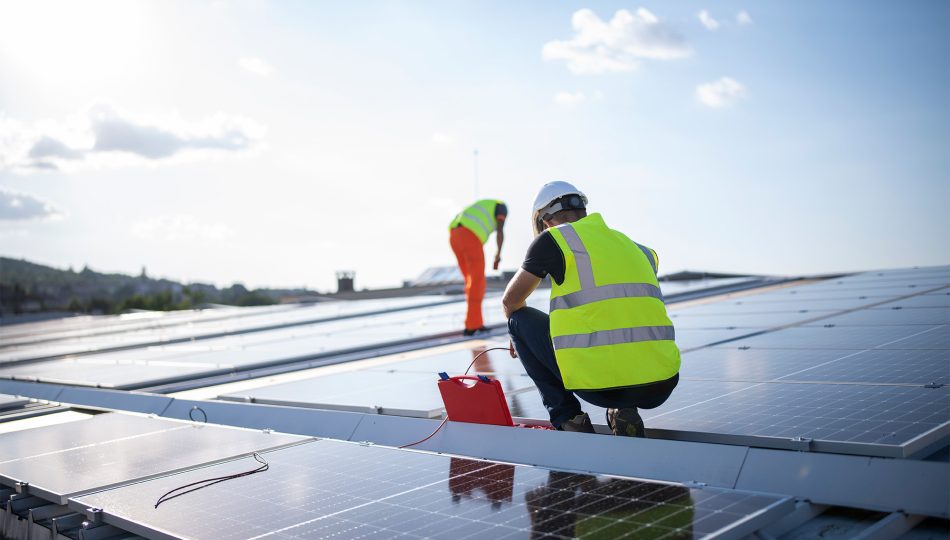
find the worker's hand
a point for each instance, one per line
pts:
(497, 261)
(511, 349)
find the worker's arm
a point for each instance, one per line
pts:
(519, 289)
(500, 239)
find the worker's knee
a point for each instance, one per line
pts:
(527, 321)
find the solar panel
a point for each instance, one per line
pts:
(844, 290)
(102, 427)
(937, 299)
(323, 321)
(399, 393)
(82, 371)
(691, 338)
(888, 316)
(732, 363)
(244, 350)
(880, 415)
(455, 363)
(334, 489)
(173, 325)
(10, 402)
(685, 319)
(915, 367)
(687, 393)
(819, 302)
(152, 447)
(839, 337)
(937, 337)
(732, 307)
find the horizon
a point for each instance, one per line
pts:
(272, 144)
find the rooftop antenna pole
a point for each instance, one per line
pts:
(476, 172)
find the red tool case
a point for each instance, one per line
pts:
(482, 402)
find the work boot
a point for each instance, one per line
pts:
(579, 424)
(625, 422)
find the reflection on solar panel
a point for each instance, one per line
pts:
(147, 446)
(455, 362)
(108, 375)
(216, 355)
(400, 393)
(329, 489)
(731, 363)
(290, 320)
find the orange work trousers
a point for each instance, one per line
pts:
(471, 259)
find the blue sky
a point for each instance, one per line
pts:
(272, 143)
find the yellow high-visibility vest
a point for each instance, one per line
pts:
(608, 320)
(478, 218)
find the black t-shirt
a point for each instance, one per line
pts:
(545, 258)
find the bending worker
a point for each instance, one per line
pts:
(608, 338)
(468, 232)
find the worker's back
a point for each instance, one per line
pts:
(608, 320)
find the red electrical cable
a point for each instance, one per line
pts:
(446, 419)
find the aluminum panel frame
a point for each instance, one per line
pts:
(311, 422)
(886, 485)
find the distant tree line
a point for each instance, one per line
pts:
(27, 287)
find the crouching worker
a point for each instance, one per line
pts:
(608, 339)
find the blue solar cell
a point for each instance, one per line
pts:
(883, 415)
(841, 337)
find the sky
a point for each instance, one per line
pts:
(273, 143)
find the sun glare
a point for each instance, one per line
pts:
(65, 42)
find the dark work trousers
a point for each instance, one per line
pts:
(530, 331)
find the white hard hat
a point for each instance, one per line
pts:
(549, 193)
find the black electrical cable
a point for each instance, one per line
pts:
(203, 413)
(212, 481)
(446, 419)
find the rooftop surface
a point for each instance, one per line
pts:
(806, 408)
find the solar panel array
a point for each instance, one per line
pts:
(334, 489)
(110, 333)
(143, 366)
(849, 361)
(64, 460)
(864, 357)
(861, 362)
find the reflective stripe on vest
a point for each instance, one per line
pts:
(649, 255)
(616, 334)
(614, 337)
(478, 218)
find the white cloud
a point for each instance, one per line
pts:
(568, 99)
(743, 18)
(179, 228)
(721, 93)
(16, 206)
(442, 138)
(618, 45)
(708, 21)
(255, 65)
(104, 138)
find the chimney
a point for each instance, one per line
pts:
(344, 280)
